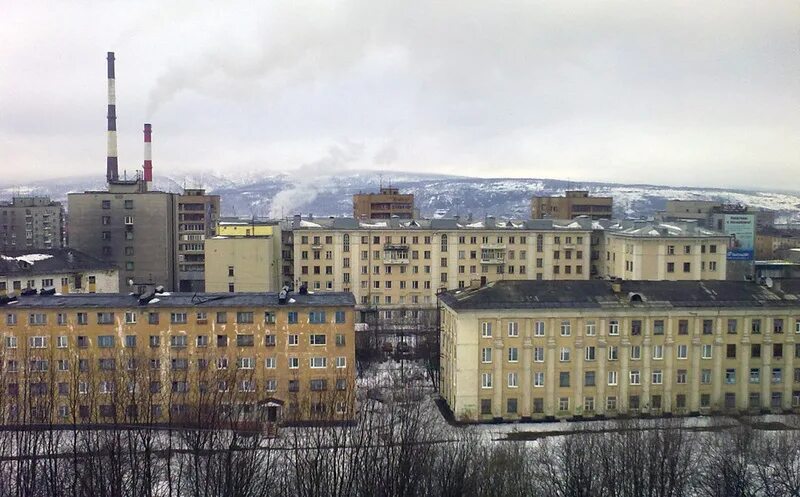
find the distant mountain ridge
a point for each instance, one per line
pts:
(285, 194)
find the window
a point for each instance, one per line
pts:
(318, 339)
(511, 406)
(613, 327)
(538, 379)
(340, 317)
(563, 379)
(755, 326)
(155, 341)
(590, 328)
(708, 327)
(730, 376)
(177, 341)
(613, 352)
(222, 317)
(563, 403)
(513, 380)
(589, 378)
(177, 318)
(565, 328)
(564, 356)
(658, 352)
(538, 354)
(777, 325)
(683, 351)
(245, 340)
(294, 339)
(130, 341)
(658, 327)
(683, 327)
(105, 341)
(246, 363)
(611, 403)
(486, 406)
(657, 377)
(244, 317)
(755, 375)
(222, 340)
(486, 380)
(687, 267)
(486, 355)
(590, 353)
(513, 354)
(636, 352)
(486, 329)
(538, 328)
(294, 362)
(777, 350)
(105, 318)
(37, 342)
(292, 317)
(635, 377)
(705, 376)
(341, 362)
(513, 329)
(730, 351)
(270, 340)
(732, 326)
(681, 377)
(706, 353)
(636, 327)
(61, 342)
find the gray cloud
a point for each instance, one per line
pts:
(672, 92)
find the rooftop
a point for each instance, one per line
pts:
(183, 300)
(21, 263)
(455, 223)
(654, 229)
(532, 294)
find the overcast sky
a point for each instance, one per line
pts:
(685, 93)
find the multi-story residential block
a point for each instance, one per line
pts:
(574, 203)
(556, 349)
(31, 223)
(397, 263)
(247, 262)
(197, 219)
(130, 227)
(387, 204)
(65, 270)
(642, 250)
(771, 243)
(179, 358)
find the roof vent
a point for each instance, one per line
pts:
(160, 289)
(635, 297)
(47, 291)
(303, 289)
(282, 296)
(147, 297)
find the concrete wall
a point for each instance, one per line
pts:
(105, 281)
(254, 262)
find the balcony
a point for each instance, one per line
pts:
(493, 256)
(396, 247)
(493, 246)
(395, 257)
(316, 246)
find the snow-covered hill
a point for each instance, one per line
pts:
(281, 195)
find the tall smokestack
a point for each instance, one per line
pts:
(112, 171)
(148, 154)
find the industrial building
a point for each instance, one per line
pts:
(33, 222)
(573, 204)
(63, 270)
(520, 350)
(153, 237)
(177, 358)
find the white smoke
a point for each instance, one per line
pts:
(307, 178)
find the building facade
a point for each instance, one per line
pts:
(197, 219)
(387, 204)
(396, 264)
(31, 223)
(135, 230)
(574, 203)
(177, 358)
(64, 270)
(641, 250)
(244, 264)
(545, 350)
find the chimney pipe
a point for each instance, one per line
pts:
(112, 170)
(148, 154)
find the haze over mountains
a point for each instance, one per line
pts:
(285, 194)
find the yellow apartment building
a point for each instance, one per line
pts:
(573, 204)
(520, 350)
(404, 263)
(62, 270)
(243, 263)
(177, 358)
(642, 250)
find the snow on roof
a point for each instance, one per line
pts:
(309, 224)
(28, 258)
(381, 224)
(479, 224)
(597, 226)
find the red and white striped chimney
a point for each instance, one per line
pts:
(112, 171)
(148, 153)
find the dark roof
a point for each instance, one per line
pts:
(13, 263)
(532, 294)
(183, 300)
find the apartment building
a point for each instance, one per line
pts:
(387, 204)
(64, 270)
(573, 204)
(644, 250)
(399, 263)
(197, 217)
(555, 349)
(31, 223)
(177, 357)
